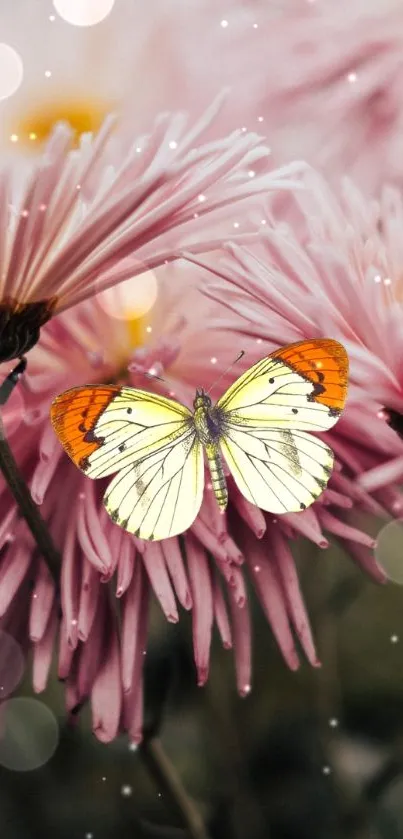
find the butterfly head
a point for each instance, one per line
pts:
(201, 400)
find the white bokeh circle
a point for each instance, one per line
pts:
(83, 12)
(11, 71)
(130, 299)
(29, 734)
(389, 550)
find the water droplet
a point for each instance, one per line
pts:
(126, 790)
(173, 144)
(213, 360)
(326, 770)
(201, 198)
(256, 568)
(224, 24)
(333, 722)
(352, 77)
(394, 639)
(388, 550)
(29, 734)
(133, 747)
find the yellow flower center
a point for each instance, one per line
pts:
(34, 126)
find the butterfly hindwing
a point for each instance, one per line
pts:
(161, 494)
(279, 470)
(264, 417)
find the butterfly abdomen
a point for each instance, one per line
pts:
(218, 482)
(207, 422)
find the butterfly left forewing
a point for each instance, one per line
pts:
(149, 441)
(264, 417)
(105, 427)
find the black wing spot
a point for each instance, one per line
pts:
(334, 412)
(295, 410)
(115, 516)
(122, 447)
(327, 471)
(271, 381)
(129, 410)
(90, 437)
(124, 524)
(137, 532)
(151, 537)
(302, 506)
(317, 391)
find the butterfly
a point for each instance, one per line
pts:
(260, 426)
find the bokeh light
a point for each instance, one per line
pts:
(12, 664)
(131, 299)
(29, 734)
(11, 71)
(83, 12)
(389, 550)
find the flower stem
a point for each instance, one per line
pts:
(28, 509)
(169, 783)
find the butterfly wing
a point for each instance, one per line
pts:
(150, 441)
(264, 417)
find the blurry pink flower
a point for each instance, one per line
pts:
(328, 88)
(72, 223)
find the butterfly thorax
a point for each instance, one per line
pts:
(208, 428)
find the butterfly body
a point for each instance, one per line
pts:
(154, 446)
(209, 428)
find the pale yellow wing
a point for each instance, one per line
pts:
(149, 441)
(301, 386)
(103, 428)
(160, 494)
(279, 470)
(264, 416)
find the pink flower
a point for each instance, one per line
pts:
(328, 89)
(285, 289)
(334, 269)
(107, 575)
(75, 223)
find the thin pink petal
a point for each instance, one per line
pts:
(221, 614)
(296, 607)
(202, 594)
(154, 564)
(177, 572)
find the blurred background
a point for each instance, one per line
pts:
(316, 754)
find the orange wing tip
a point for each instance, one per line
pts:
(324, 362)
(74, 415)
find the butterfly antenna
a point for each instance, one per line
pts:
(7, 387)
(224, 373)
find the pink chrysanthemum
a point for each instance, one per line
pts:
(334, 270)
(73, 223)
(107, 575)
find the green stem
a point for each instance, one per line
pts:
(169, 783)
(27, 508)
